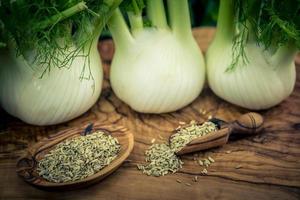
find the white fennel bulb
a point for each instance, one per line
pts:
(58, 96)
(156, 69)
(261, 81)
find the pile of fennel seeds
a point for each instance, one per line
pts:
(79, 157)
(161, 158)
(192, 131)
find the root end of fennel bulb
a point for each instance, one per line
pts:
(158, 72)
(261, 83)
(57, 97)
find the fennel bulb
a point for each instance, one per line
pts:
(50, 69)
(56, 97)
(156, 69)
(252, 75)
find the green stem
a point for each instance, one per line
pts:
(63, 15)
(225, 24)
(136, 21)
(180, 17)
(101, 21)
(135, 6)
(119, 30)
(156, 13)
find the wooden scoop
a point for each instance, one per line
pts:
(26, 165)
(247, 124)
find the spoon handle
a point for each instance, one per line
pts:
(249, 123)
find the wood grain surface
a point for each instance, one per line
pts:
(265, 166)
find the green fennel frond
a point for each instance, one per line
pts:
(52, 33)
(273, 23)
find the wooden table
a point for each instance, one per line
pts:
(270, 162)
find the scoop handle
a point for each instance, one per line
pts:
(250, 123)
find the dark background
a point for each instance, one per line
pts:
(203, 13)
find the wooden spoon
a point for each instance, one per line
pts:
(247, 124)
(26, 165)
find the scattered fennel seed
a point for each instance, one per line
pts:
(200, 162)
(160, 161)
(195, 179)
(202, 111)
(186, 134)
(204, 171)
(228, 152)
(188, 184)
(161, 158)
(178, 181)
(206, 162)
(77, 158)
(211, 159)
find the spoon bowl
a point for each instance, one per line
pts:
(27, 165)
(247, 124)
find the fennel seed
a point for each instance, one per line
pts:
(195, 179)
(77, 158)
(200, 162)
(178, 181)
(161, 160)
(211, 159)
(186, 134)
(206, 162)
(204, 171)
